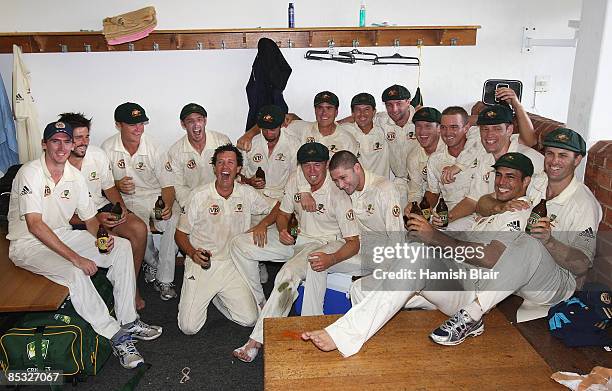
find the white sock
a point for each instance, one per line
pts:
(474, 310)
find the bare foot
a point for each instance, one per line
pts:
(140, 303)
(248, 351)
(320, 339)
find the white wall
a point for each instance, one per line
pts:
(164, 81)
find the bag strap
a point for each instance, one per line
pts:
(133, 382)
(38, 347)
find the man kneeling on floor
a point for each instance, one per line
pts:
(513, 261)
(46, 193)
(214, 214)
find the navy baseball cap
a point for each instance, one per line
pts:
(57, 127)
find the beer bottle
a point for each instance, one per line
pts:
(102, 240)
(425, 208)
(206, 254)
(536, 213)
(159, 207)
(292, 227)
(117, 211)
(442, 211)
(414, 208)
(260, 174)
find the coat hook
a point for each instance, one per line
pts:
(453, 42)
(199, 46)
(331, 43)
(131, 47)
(87, 48)
(222, 44)
(396, 43)
(419, 42)
(155, 46)
(63, 48)
(355, 43)
(289, 43)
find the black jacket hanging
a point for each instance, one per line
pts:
(268, 79)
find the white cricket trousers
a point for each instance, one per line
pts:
(163, 259)
(34, 256)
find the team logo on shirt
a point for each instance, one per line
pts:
(391, 136)
(377, 146)
(66, 194)
(25, 190)
(257, 157)
(605, 298)
(93, 176)
(424, 173)
(47, 191)
(238, 208)
(587, 233)
(183, 210)
(214, 209)
(370, 209)
(333, 148)
(310, 139)
(350, 215)
(321, 209)
(486, 176)
(168, 167)
(474, 163)
(411, 134)
(297, 197)
(280, 157)
(514, 225)
(191, 164)
(140, 166)
(396, 210)
(121, 163)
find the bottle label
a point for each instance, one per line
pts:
(102, 243)
(444, 218)
(294, 232)
(426, 213)
(158, 213)
(533, 218)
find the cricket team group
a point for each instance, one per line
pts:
(308, 195)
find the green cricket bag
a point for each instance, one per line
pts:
(59, 340)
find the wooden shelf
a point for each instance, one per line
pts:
(49, 42)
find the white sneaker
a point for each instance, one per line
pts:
(150, 272)
(263, 273)
(126, 351)
(165, 289)
(141, 330)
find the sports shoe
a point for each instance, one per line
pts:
(141, 330)
(263, 273)
(150, 272)
(165, 289)
(456, 329)
(127, 352)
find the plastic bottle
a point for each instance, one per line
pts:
(291, 15)
(362, 14)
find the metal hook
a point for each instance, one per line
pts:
(453, 42)
(199, 45)
(155, 46)
(63, 48)
(396, 43)
(222, 44)
(331, 43)
(87, 48)
(289, 43)
(355, 43)
(419, 42)
(131, 47)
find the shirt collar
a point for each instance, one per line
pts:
(67, 175)
(567, 193)
(142, 146)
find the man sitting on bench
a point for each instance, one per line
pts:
(46, 193)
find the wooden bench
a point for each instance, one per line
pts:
(21, 290)
(401, 356)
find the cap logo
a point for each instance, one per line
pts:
(393, 92)
(311, 152)
(562, 137)
(60, 125)
(135, 113)
(491, 114)
(425, 114)
(268, 118)
(194, 107)
(510, 157)
(325, 96)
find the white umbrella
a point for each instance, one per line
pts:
(26, 115)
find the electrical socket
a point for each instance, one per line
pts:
(542, 83)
